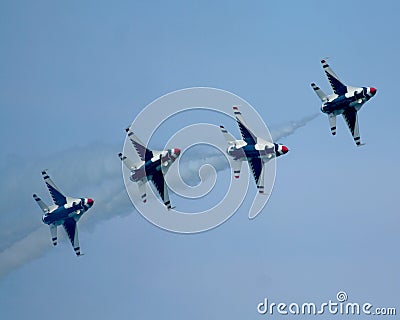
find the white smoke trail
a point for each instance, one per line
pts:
(288, 129)
(32, 246)
(92, 171)
(192, 163)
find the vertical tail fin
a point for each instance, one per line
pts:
(236, 167)
(260, 183)
(53, 231)
(332, 123)
(142, 190)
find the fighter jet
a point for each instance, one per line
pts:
(153, 166)
(255, 150)
(345, 100)
(65, 211)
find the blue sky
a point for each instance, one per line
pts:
(75, 74)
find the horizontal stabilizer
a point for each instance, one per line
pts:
(228, 137)
(41, 204)
(319, 92)
(236, 167)
(127, 162)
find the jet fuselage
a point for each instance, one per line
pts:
(355, 98)
(74, 208)
(243, 151)
(151, 166)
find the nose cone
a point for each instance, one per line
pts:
(285, 149)
(176, 152)
(90, 202)
(372, 90)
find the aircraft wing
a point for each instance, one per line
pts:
(352, 122)
(247, 135)
(338, 87)
(159, 182)
(58, 197)
(144, 153)
(256, 165)
(72, 232)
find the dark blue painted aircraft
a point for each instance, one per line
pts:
(345, 100)
(152, 167)
(65, 211)
(255, 150)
